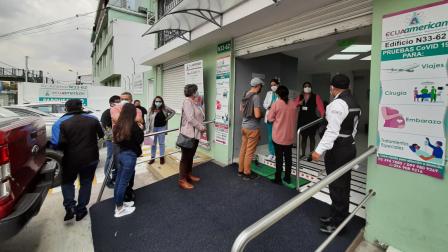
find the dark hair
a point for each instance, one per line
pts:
(307, 82)
(276, 81)
(190, 89)
(283, 93)
(114, 98)
(73, 105)
(123, 128)
(137, 101)
(153, 106)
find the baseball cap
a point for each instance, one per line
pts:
(255, 81)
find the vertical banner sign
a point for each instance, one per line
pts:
(222, 100)
(414, 83)
(62, 93)
(194, 74)
(138, 84)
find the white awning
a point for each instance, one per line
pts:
(190, 14)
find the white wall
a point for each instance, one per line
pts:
(128, 44)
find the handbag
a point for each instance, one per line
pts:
(182, 140)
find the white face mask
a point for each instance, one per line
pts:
(307, 90)
(123, 102)
(274, 88)
(158, 104)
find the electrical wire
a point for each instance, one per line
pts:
(46, 24)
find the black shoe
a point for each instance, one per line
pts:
(69, 214)
(276, 181)
(250, 176)
(309, 159)
(81, 215)
(110, 184)
(325, 219)
(328, 229)
(240, 174)
(287, 180)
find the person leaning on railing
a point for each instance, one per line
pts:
(191, 126)
(158, 117)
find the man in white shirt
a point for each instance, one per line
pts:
(338, 142)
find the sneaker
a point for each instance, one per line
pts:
(128, 203)
(328, 229)
(250, 176)
(110, 184)
(123, 211)
(240, 174)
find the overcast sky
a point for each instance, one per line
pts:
(55, 49)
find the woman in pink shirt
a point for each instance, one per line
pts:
(283, 115)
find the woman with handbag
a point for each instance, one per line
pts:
(129, 137)
(158, 117)
(191, 127)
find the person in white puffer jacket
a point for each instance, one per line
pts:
(271, 97)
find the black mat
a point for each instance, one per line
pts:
(210, 217)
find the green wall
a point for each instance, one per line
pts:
(125, 16)
(220, 153)
(409, 211)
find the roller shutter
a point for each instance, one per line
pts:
(341, 16)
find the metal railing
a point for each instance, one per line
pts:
(277, 214)
(299, 143)
(100, 195)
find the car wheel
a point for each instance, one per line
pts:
(55, 156)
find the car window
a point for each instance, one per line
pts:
(60, 108)
(5, 113)
(44, 108)
(22, 112)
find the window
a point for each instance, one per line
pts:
(44, 108)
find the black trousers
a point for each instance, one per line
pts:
(186, 160)
(343, 151)
(282, 152)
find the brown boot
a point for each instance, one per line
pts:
(185, 185)
(162, 160)
(193, 178)
(151, 161)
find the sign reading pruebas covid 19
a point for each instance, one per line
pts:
(414, 83)
(62, 93)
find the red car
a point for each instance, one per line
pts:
(26, 174)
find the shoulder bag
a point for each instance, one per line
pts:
(182, 140)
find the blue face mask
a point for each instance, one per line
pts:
(158, 104)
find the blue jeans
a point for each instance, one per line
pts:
(160, 138)
(86, 175)
(109, 161)
(126, 170)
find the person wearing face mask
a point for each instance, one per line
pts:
(270, 98)
(339, 144)
(309, 105)
(250, 107)
(158, 117)
(125, 97)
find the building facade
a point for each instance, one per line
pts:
(298, 41)
(117, 44)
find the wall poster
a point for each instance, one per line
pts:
(414, 81)
(194, 74)
(222, 100)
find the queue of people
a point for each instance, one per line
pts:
(123, 126)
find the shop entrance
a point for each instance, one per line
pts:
(315, 61)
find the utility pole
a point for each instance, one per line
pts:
(26, 69)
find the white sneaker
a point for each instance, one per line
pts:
(128, 203)
(271, 157)
(123, 211)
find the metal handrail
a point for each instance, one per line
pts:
(100, 195)
(345, 222)
(277, 214)
(299, 138)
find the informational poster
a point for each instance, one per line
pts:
(222, 100)
(137, 87)
(414, 83)
(62, 93)
(194, 74)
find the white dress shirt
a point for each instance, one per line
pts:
(336, 113)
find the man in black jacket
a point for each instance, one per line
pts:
(76, 133)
